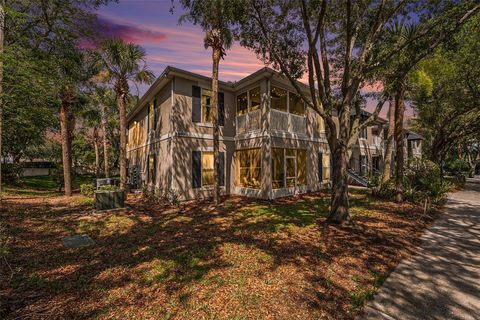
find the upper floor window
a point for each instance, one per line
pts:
(207, 113)
(248, 101)
(151, 115)
(363, 133)
(286, 101)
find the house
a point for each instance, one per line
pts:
(270, 144)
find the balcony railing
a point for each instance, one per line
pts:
(249, 122)
(283, 121)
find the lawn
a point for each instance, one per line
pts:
(247, 259)
(41, 185)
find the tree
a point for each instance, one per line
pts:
(435, 30)
(2, 30)
(445, 90)
(217, 18)
(101, 99)
(342, 41)
(124, 63)
(50, 31)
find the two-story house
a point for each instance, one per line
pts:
(270, 144)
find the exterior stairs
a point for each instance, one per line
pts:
(357, 179)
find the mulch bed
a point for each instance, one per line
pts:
(247, 259)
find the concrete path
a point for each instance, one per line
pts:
(442, 280)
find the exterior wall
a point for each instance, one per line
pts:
(177, 136)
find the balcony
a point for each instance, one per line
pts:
(249, 122)
(283, 121)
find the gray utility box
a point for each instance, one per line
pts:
(106, 200)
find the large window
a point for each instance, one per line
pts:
(207, 113)
(279, 99)
(248, 101)
(207, 168)
(289, 168)
(286, 101)
(152, 115)
(249, 170)
(152, 168)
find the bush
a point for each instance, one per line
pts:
(108, 187)
(11, 171)
(160, 196)
(384, 190)
(87, 189)
(457, 166)
(422, 181)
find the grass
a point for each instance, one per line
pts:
(247, 259)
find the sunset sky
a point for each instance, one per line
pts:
(151, 24)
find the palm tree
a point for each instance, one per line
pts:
(124, 62)
(216, 17)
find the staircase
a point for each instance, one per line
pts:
(358, 179)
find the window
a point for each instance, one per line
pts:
(242, 104)
(254, 96)
(278, 167)
(301, 167)
(207, 168)
(289, 168)
(286, 101)
(135, 135)
(279, 99)
(207, 113)
(363, 133)
(248, 101)
(363, 165)
(151, 116)
(249, 171)
(295, 104)
(152, 168)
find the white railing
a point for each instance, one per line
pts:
(283, 121)
(249, 122)
(376, 140)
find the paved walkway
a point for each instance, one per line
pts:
(442, 280)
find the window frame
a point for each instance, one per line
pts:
(289, 92)
(202, 152)
(239, 168)
(247, 92)
(295, 176)
(203, 123)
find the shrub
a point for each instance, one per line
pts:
(160, 196)
(87, 189)
(384, 190)
(11, 171)
(108, 187)
(422, 181)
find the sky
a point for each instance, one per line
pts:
(150, 24)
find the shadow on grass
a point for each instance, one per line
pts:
(196, 247)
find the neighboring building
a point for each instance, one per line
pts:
(270, 144)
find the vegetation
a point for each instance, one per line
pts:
(248, 259)
(340, 46)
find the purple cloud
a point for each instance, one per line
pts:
(128, 33)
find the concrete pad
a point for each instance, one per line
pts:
(442, 280)
(78, 241)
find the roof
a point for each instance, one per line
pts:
(412, 135)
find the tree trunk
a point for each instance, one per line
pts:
(97, 152)
(216, 59)
(105, 141)
(66, 137)
(399, 114)
(121, 97)
(2, 27)
(339, 212)
(387, 163)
